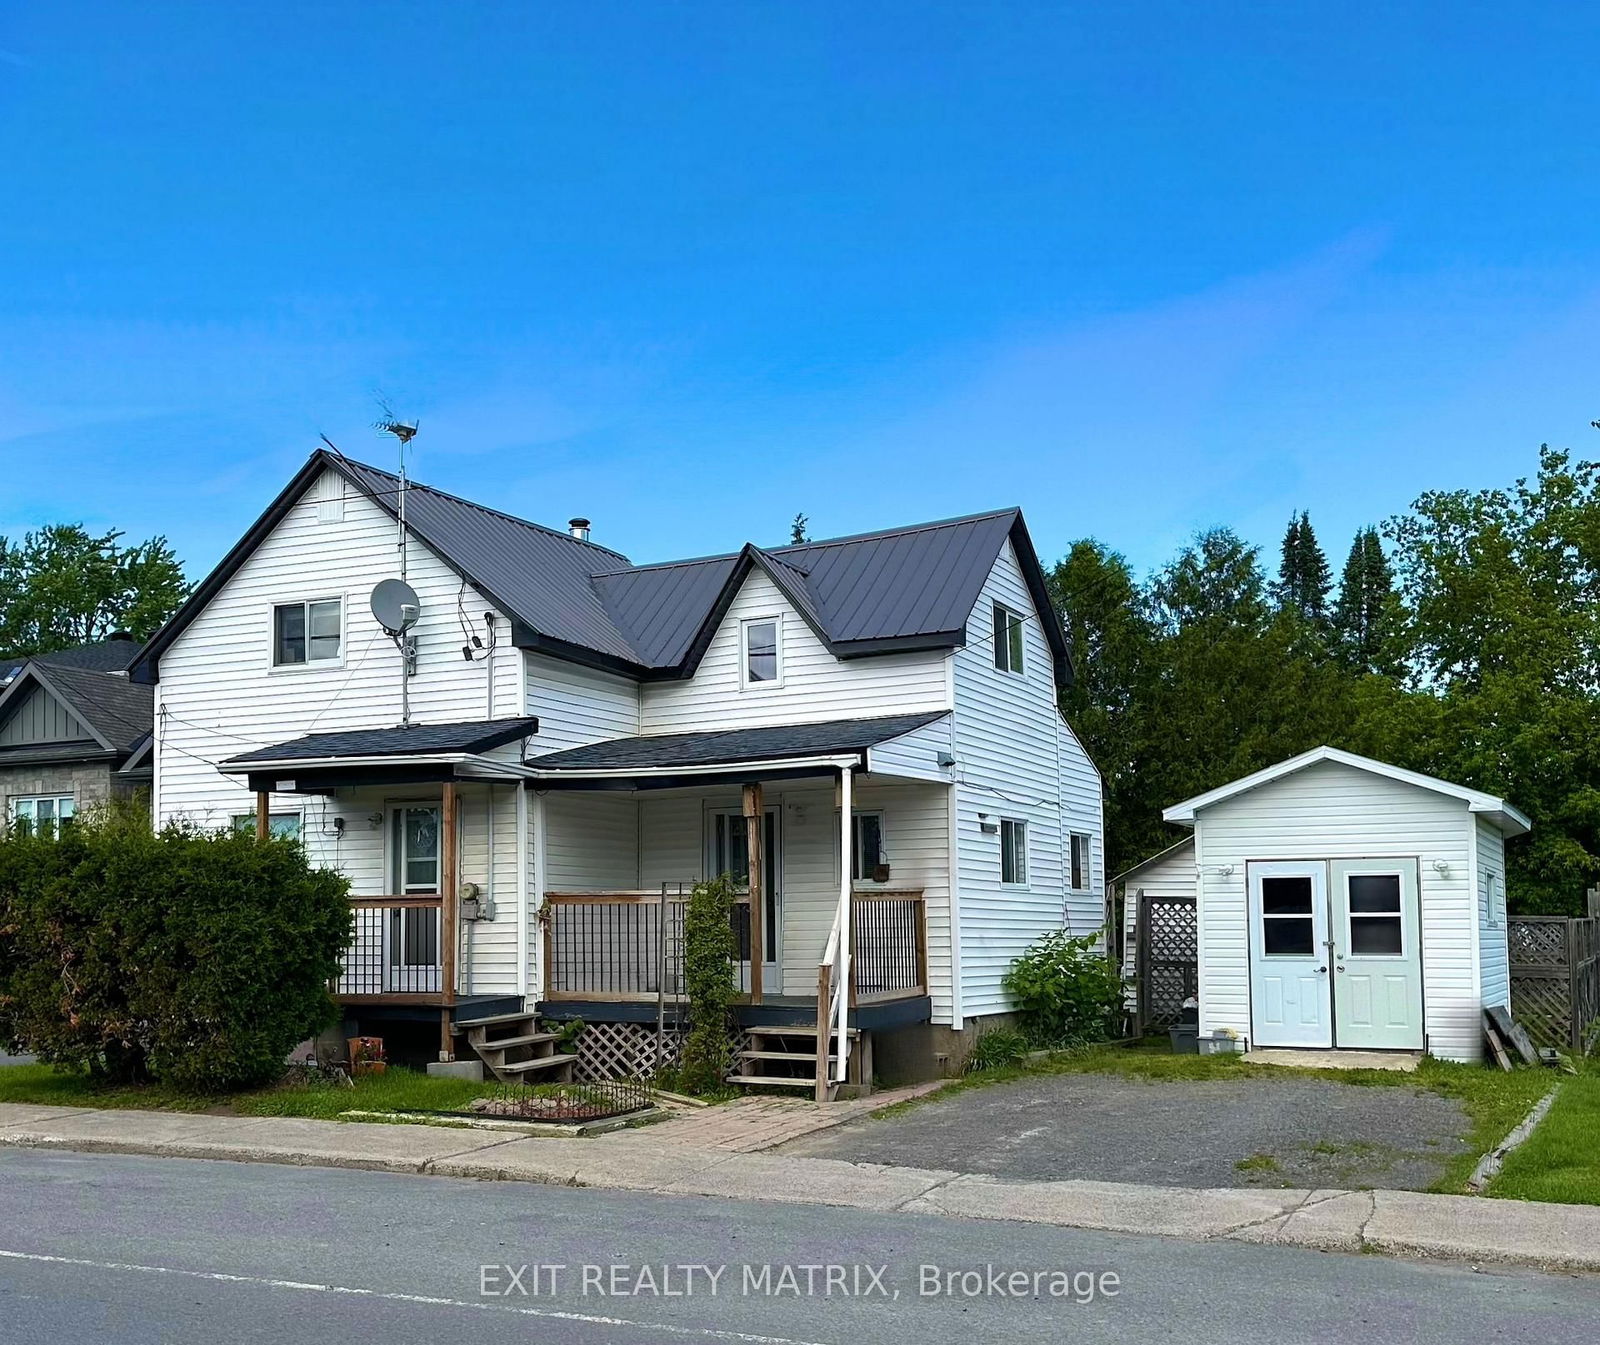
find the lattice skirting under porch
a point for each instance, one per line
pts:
(627, 1051)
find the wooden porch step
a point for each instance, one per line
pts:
(463, 1023)
(792, 1030)
(542, 1062)
(799, 1057)
(506, 1043)
(772, 1081)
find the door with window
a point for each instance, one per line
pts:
(728, 851)
(411, 954)
(1290, 990)
(1377, 954)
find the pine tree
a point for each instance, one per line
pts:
(1368, 618)
(797, 530)
(1303, 576)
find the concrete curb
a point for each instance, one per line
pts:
(1402, 1223)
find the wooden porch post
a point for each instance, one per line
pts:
(449, 938)
(263, 814)
(755, 830)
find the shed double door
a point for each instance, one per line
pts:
(1336, 954)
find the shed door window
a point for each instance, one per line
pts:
(1377, 927)
(1288, 926)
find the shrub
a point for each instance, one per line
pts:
(196, 958)
(995, 1048)
(1066, 993)
(708, 952)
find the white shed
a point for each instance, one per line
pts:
(1346, 903)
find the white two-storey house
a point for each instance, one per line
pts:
(524, 782)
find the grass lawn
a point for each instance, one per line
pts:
(1561, 1160)
(1493, 1100)
(397, 1089)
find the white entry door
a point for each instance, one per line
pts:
(1377, 954)
(1289, 982)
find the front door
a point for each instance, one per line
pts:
(728, 847)
(411, 955)
(1289, 983)
(1377, 954)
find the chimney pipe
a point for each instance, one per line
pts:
(579, 528)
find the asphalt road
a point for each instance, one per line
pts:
(103, 1248)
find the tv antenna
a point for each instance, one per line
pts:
(404, 432)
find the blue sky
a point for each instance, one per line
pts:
(687, 269)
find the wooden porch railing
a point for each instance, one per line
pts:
(625, 946)
(889, 943)
(396, 953)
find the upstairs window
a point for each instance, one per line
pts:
(1007, 639)
(42, 814)
(305, 632)
(1013, 852)
(1080, 862)
(762, 654)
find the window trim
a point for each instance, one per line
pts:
(309, 664)
(1073, 837)
(775, 620)
(856, 875)
(70, 798)
(1016, 884)
(1016, 661)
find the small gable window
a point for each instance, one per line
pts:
(305, 632)
(761, 639)
(1080, 862)
(1007, 639)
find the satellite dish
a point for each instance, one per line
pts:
(395, 605)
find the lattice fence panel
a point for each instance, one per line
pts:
(628, 1051)
(1555, 979)
(1167, 960)
(1539, 942)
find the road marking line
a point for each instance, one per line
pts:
(425, 1300)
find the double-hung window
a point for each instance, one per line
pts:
(1007, 639)
(1013, 852)
(42, 813)
(1080, 862)
(306, 632)
(761, 652)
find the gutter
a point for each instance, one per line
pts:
(855, 760)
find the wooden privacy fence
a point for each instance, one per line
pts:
(1555, 979)
(1166, 960)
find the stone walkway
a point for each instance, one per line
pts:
(750, 1124)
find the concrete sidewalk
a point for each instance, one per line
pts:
(1406, 1223)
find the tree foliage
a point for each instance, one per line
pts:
(195, 958)
(1470, 650)
(708, 953)
(63, 586)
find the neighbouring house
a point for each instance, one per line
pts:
(75, 731)
(579, 740)
(1342, 903)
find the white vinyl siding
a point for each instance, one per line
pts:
(1172, 875)
(815, 685)
(1016, 758)
(1494, 965)
(577, 706)
(1334, 811)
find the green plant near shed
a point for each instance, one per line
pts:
(1065, 992)
(708, 953)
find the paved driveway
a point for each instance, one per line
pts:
(1288, 1131)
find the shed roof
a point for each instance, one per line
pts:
(1510, 821)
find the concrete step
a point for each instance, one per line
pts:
(531, 1066)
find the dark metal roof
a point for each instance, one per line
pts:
(478, 735)
(881, 592)
(730, 746)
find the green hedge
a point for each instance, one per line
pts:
(197, 958)
(1065, 992)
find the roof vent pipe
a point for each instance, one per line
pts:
(579, 528)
